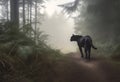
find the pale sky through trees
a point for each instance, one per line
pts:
(58, 27)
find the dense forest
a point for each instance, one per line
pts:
(24, 54)
(26, 57)
(99, 19)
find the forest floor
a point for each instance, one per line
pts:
(75, 69)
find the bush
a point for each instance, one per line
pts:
(116, 53)
(24, 60)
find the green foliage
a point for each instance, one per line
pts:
(22, 59)
(116, 54)
(24, 53)
(100, 20)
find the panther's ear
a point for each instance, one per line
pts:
(72, 34)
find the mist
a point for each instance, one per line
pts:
(59, 29)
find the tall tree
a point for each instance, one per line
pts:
(35, 20)
(7, 10)
(14, 10)
(6, 4)
(24, 19)
(28, 11)
(100, 19)
(31, 11)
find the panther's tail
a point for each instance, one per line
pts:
(93, 47)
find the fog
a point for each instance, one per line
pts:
(59, 28)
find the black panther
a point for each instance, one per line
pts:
(85, 42)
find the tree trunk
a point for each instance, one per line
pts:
(30, 11)
(36, 21)
(7, 10)
(14, 7)
(24, 13)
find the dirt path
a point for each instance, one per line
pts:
(94, 67)
(76, 69)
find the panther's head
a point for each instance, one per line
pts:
(75, 37)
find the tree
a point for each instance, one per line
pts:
(70, 7)
(99, 19)
(7, 5)
(36, 21)
(24, 19)
(14, 9)
(30, 11)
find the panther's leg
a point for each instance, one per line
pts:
(86, 55)
(81, 51)
(89, 51)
